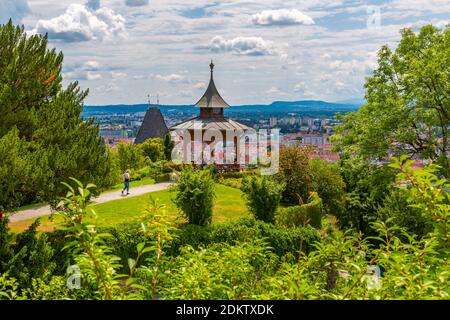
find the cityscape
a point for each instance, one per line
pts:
(298, 126)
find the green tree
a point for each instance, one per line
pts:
(327, 181)
(195, 195)
(153, 149)
(263, 195)
(408, 101)
(45, 120)
(367, 186)
(128, 156)
(294, 173)
(16, 171)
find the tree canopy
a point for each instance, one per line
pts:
(408, 101)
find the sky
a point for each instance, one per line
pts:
(264, 51)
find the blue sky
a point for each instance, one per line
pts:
(123, 50)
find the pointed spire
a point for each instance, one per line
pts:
(211, 98)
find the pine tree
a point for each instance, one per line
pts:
(54, 138)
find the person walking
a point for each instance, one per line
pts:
(126, 182)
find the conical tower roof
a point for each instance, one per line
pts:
(211, 98)
(153, 126)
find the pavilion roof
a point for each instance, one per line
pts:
(221, 124)
(212, 98)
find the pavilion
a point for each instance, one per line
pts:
(211, 127)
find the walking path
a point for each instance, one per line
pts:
(104, 197)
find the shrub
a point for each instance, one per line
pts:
(153, 149)
(128, 156)
(230, 182)
(282, 241)
(27, 257)
(195, 195)
(309, 213)
(327, 181)
(295, 174)
(124, 238)
(263, 196)
(219, 272)
(411, 219)
(237, 175)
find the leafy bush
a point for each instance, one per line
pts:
(294, 173)
(153, 149)
(230, 182)
(128, 156)
(219, 272)
(367, 186)
(327, 181)
(25, 256)
(263, 196)
(195, 195)
(309, 213)
(237, 175)
(396, 207)
(282, 241)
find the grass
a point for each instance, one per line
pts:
(229, 205)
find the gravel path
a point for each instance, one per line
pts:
(104, 197)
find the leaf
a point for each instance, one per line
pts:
(131, 263)
(140, 246)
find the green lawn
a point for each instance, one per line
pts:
(229, 205)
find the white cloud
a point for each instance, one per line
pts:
(14, 9)
(186, 93)
(93, 76)
(82, 23)
(273, 90)
(118, 75)
(172, 78)
(136, 3)
(86, 71)
(91, 65)
(199, 85)
(249, 46)
(282, 17)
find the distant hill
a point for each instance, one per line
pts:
(357, 102)
(274, 108)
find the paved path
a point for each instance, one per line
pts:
(104, 197)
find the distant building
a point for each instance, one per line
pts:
(153, 126)
(273, 121)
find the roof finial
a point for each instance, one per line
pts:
(211, 65)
